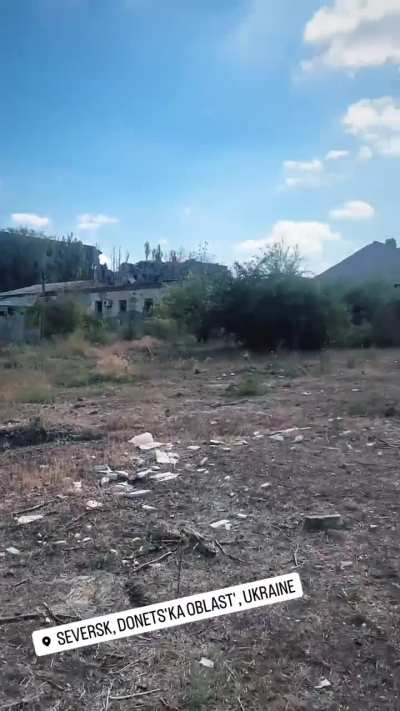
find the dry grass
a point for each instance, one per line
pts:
(59, 474)
(30, 386)
(114, 367)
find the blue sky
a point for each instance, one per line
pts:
(235, 122)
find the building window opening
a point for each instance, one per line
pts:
(148, 307)
(123, 306)
(99, 307)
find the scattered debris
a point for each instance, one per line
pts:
(13, 551)
(29, 519)
(277, 438)
(92, 504)
(298, 439)
(323, 684)
(346, 564)
(146, 507)
(222, 524)
(145, 442)
(139, 492)
(166, 457)
(322, 522)
(207, 663)
(165, 476)
(193, 447)
(266, 485)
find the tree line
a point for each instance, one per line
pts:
(268, 303)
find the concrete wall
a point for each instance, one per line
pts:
(14, 330)
(135, 300)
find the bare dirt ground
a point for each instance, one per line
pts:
(76, 562)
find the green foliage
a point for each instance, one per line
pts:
(94, 329)
(192, 305)
(274, 312)
(165, 329)
(56, 318)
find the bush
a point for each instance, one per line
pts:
(165, 329)
(55, 319)
(274, 312)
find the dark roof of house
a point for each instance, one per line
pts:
(375, 261)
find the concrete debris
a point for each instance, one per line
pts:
(277, 438)
(216, 443)
(92, 504)
(346, 564)
(323, 684)
(143, 472)
(222, 524)
(203, 461)
(166, 458)
(145, 442)
(207, 663)
(266, 485)
(241, 515)
(13, 551)
(165, 476)
(298, 439)
(29, 519)
(145, 507)
(322, 522)
(138, 492)
(103, 469)
(193, 447)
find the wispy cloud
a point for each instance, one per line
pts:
(354, 210)
(30, 219)
(303, 174)
(337, 155)
(88, 221)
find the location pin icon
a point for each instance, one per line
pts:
(46, 641)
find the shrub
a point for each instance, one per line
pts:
(165, 329)
(56, 318)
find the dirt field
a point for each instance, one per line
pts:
(77, 562)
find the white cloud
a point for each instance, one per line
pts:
(303, 174)
(309, 237)
(311, 166)
(354, 210)
(88, 221)
(353, 34)
(377, 123)
(336, 155)
(29, 219)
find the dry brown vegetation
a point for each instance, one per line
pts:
(83, 563)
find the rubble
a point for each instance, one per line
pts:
(222, 524)
(323, 684)
(13, 551)
(165, 476)
(166, 458)
(206, 663)
(93, 504)
(277, 438)
(145, 442)
(29, 519)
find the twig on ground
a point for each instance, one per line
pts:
(21, 618)
(108, 697)
(133, 696)
(240, 704)
(151, 562)
(21, 582)
(228, 555)
(180, 559)
(34, 508)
